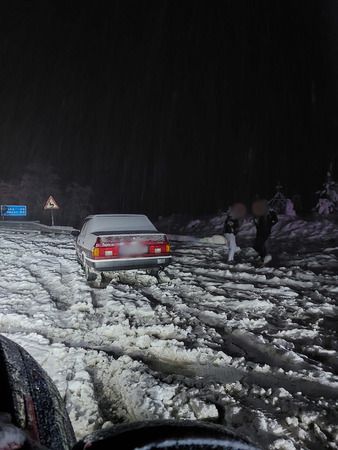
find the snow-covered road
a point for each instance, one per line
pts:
(253, 348)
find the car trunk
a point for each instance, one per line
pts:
(130, 245)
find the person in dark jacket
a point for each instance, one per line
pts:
(264, 220)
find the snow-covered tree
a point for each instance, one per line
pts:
(278, 201)
(76, 204)
(8, 193)
(37, 183)
(328, 197)
(290, 208)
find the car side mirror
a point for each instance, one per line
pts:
(75, 233)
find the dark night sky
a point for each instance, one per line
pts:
(171, 106)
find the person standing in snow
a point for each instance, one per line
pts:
(231, 225)
(264, 220)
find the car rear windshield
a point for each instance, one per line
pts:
(120, 224)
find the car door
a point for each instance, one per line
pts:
(81, 237)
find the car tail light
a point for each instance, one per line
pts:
(118, 247)
(101, 250)
(158, 248)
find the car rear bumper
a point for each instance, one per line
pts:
(109, 265)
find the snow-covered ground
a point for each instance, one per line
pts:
(253, 348)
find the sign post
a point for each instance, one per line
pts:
(51, 205)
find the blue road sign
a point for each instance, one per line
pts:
(14, 210)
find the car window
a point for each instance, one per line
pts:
(120, 223)
(84, 228)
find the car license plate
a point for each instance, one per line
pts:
(133, 249)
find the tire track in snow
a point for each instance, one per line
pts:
(200, 333)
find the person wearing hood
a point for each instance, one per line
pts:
(264, 220)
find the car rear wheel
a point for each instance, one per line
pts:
(154, 272)
(90, 274)
(32, 401)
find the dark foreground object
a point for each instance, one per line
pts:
(32, 400)
(35, 407)
(173, 435)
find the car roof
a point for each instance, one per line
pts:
(106, 223)
(114, 215)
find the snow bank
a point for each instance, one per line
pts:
(287, 228)
(252, 348)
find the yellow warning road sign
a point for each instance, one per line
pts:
(51, 203)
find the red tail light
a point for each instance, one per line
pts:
(124, 247)
(101, 251)
(158, 248)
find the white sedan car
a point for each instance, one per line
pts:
(110, 242)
